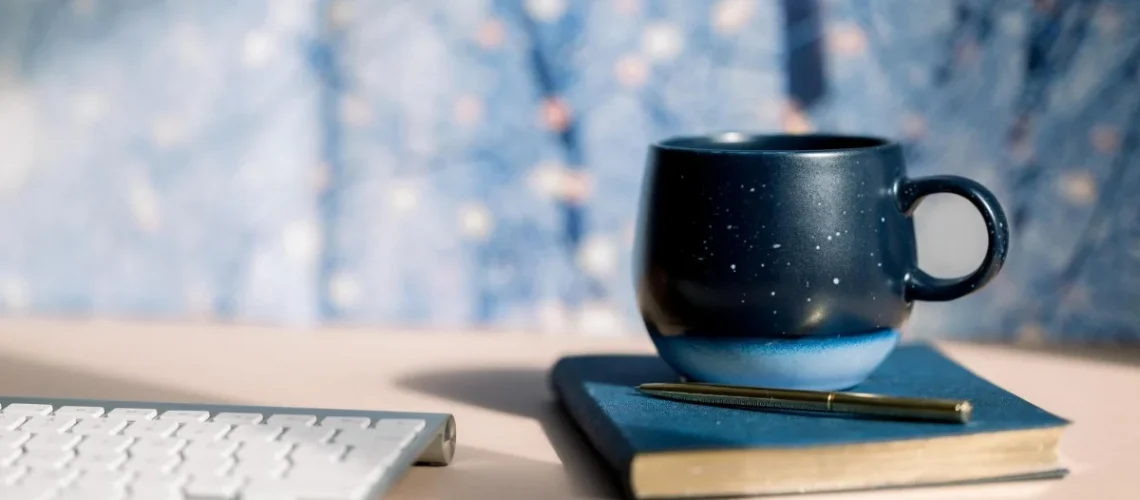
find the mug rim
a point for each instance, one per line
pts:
(715, 143)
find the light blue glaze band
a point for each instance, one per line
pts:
(806, 363)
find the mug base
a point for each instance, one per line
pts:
(805, 363)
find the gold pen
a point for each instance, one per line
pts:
(941, 410)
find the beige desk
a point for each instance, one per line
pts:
(513, 442)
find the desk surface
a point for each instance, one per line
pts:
(513, 441)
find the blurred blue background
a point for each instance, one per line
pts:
(475, 163)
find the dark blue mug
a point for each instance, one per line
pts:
(788, 260)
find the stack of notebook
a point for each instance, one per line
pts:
(670, 449)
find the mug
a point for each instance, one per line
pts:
(788, 261)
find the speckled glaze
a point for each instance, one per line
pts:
(762, 241)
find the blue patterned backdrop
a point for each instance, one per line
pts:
(475, 163)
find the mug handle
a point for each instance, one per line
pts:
(922, 286)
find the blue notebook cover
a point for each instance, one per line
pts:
(599, 392)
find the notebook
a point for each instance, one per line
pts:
(669, 449)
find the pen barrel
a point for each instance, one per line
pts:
(801, 404)
(942, 410)
(908, 408)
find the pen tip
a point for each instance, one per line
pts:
(964, 410)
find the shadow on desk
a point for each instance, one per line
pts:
(480, 473)
(526, 392)
(20, 377)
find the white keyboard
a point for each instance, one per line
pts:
(102, 450)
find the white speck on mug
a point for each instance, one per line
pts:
(836, 281)
(777, 245)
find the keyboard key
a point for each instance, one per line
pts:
(348, 491)
(317, 452)
(186, 415)
(52, 441)
(237, 418)
(54, 477)
(346, 422)
(11, 422)
(214, 448)
(100, 461)
(203, 430)
(372, 455)
(308, 434)
(91, 491)
(13, 439)
(156, 446)
(207, 466)
(28, 491)
(46, 459)
(79, 411)
(292, 420)
(8, 456)
(400, 425)
(26, 409)
(264, 451)
(256, 433)
(150, 428)
(268, 489)
(157, 487)
(152, 463)
(133, 413)
(363, 437)
(175, 477)
(177, 495)
(345, 471)
(335, 480)
(103, 444)
(48, 424)
(118, 477)
(99, 426)
(9, 474)
(260, 469)
(213, 487)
